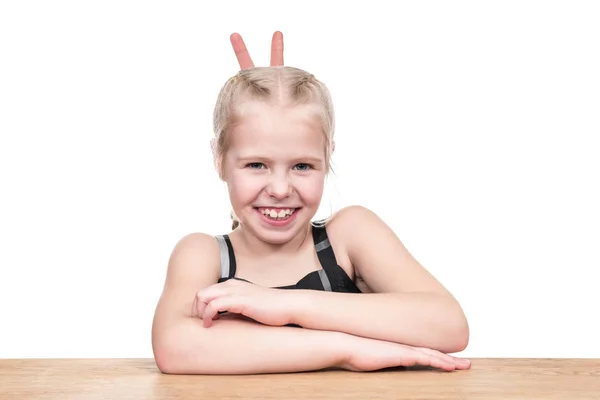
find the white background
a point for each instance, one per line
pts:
(471, 128)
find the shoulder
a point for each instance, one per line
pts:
(350, 221)
(357, 227)
(195, 257)
(353, 213)
(194, 242)
(344, 230)
(193, 265)
(378, 255)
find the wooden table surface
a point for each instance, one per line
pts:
(140, 379)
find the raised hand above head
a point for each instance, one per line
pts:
(243, 57)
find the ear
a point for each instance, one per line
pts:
(332, 146)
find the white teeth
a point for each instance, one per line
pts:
(274, 214)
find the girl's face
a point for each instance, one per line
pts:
(275, 170)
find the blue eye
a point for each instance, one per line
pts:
(303, 167)
(255, 165)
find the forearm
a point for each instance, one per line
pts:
(233, 346)
(416, 319)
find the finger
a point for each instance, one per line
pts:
(435, 361)
(194, 311)
(460, 359)
(215, 290)
(444, 358)
(205, 296)
(241, 52)
(460, 363)
(200, 305)
(417, 357)
(277, 49)
(441, 356)
(225, 303)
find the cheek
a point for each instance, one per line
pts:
(243, 187)
(311, 189)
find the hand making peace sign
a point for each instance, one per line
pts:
(243, 57)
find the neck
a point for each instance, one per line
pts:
(261, 248)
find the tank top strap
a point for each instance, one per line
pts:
(227, 257)
(326, 257)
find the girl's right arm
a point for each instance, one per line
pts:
(182, 345)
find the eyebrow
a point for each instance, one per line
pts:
(305, 159)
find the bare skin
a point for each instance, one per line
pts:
(243, 56)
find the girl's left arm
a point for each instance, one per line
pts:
(409, 305)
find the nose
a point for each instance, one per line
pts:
(279, 186)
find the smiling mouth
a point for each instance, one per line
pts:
(277, 213)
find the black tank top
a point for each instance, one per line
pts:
(331, 277)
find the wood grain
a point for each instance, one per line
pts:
(91, 379)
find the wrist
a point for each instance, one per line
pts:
(343, 347)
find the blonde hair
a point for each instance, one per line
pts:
(278, 86)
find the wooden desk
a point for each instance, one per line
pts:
(116, 379)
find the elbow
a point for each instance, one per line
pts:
(166, 359)
(459, 343)
(165, 365)
(459, 337)
(452, 335)
(171, 362)
(465, 337)
(170, 355)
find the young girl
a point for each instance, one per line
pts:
(281, 292)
